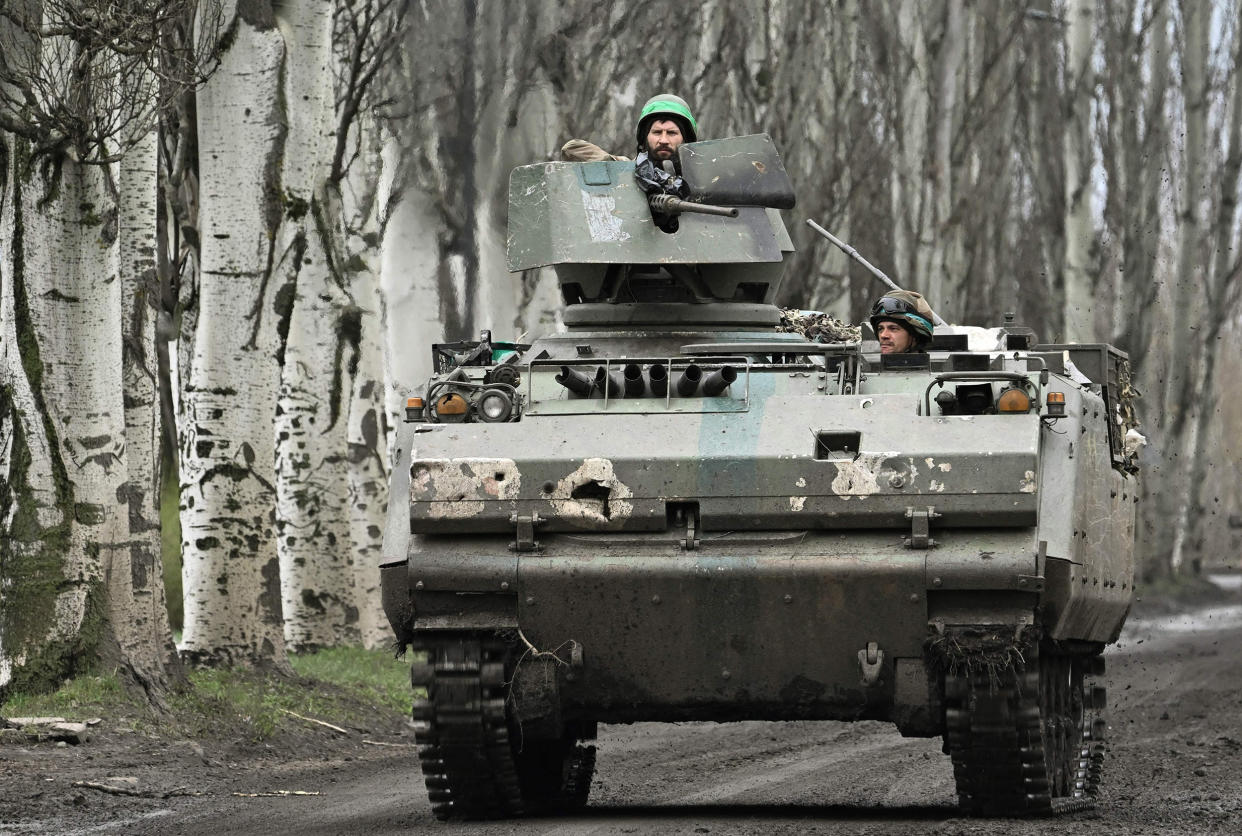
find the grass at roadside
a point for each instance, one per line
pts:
(76, 699)
(348, 687)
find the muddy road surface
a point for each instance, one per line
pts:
(1174, 767)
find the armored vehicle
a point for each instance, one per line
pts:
(674, 510)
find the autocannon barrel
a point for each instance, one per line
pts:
(718, 381)
(669, 205)
(575, 381)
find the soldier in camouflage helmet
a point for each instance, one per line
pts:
(902, 321)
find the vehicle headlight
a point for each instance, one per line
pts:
(495, 406)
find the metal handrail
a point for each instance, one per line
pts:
(941, 379)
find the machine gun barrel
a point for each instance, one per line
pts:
(668, 205)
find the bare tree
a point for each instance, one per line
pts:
(78, 85)
(72, 55)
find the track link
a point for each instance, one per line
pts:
(471, 764)
(1028, 742)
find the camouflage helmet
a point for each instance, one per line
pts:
(906, 308)
(670, 107)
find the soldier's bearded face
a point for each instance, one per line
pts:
(663, 139)
(894, 339)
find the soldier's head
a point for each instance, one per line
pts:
(664, 123)
(902, 321)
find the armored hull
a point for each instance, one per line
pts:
(686, 514)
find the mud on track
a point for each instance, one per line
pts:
(1175, 767)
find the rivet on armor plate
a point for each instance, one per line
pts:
(418, 585)
(936, 581)
(725, 674)
(504, 584)
(788, 599)
(530, 599)
(655, 599)
(914, 598)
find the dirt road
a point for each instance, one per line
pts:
(1175, 767)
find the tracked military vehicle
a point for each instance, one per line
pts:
(674, 510)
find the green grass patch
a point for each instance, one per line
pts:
(77, 698)
(347, 686)
(374, 675)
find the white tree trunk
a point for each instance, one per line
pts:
(36, 504)
(1079, 223)
(231, 572)
(312, 514)
(363, 208)
(408, 281)
(911, 72)
(72, 356)
(1183, 395)
(368, 461)
(138, 606)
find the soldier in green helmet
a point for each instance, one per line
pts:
(664, 123)
(902, 321)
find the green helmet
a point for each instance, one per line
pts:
(908, 309)
(668, 106)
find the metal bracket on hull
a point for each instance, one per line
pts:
(920, 528)
(870, 660)
(524, 532)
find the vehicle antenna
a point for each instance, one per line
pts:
(853, 253)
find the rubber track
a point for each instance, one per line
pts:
(996, 741)
(578, 779)
(463, 737)
(465, 746)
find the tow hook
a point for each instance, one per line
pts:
(869, 661)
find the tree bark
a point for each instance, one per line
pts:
(1222, 296)
(70, 524)
(228, 495)
(41, 608)
(1079, 311)
(138, 604)
(312, 516)
(1176, 440)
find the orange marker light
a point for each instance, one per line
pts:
(1013, 400)
(413, 410)
(452, 404)
(1056, 404)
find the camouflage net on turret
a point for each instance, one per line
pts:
(818, 327)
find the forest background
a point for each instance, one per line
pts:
(230, 229)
